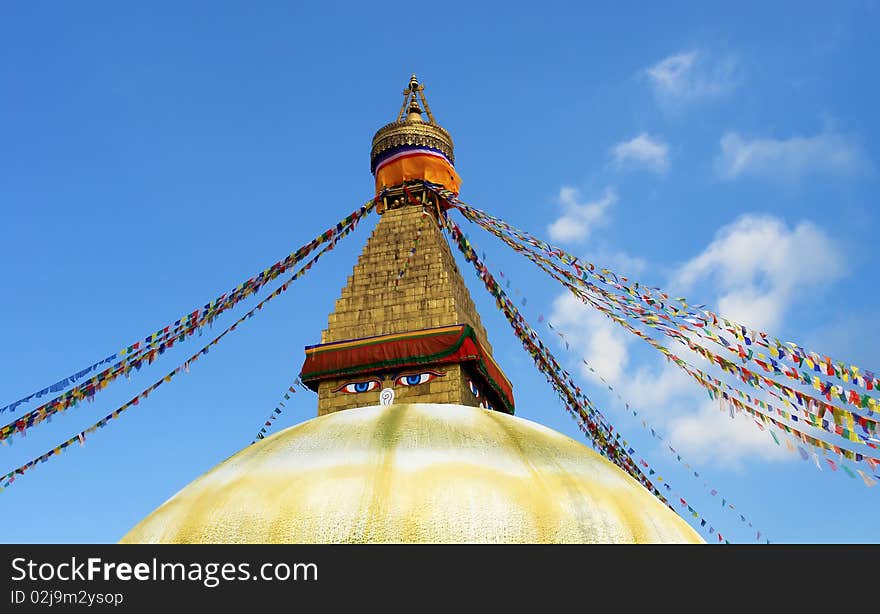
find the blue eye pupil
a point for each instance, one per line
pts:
(412, 380)
(361, 386)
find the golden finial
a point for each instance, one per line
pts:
(410, 127)
(414, 113)
(414, 92)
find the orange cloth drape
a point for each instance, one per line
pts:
(418, 166)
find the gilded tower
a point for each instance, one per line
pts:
(405, 325)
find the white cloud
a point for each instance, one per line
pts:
(579, 219)
(759, 266)
(692, 76)
(605, 345)
(642, 151)
(789, 160)
(593, 336)
(710, 434)
(622, 262)
(653, 389)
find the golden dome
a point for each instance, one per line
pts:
(414, 473)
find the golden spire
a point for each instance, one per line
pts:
(410, 129)
(413, 92)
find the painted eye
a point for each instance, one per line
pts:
(415, 379)
(473, 387)
(358, 387)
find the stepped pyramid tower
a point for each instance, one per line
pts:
(415, 438)
(406, 307)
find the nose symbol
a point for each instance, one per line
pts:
(386, 397)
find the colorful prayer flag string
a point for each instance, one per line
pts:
(838, 413)
(869, 422)
(812, 407)
(705, 381)
(695, 315)
(184, 367)
(712, 385)
(166, 340)
(183, 326)
(279, 407)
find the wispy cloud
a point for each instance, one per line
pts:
(692, 76)
(596, 338)
(619, 260)
(579, 218)
(711, 433)
(642, 151)
(757, 266)
(789, 160)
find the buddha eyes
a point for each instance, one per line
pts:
(414, 379)
(358, 387)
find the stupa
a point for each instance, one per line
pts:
(415, 438)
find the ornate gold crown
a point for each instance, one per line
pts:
(412, 130)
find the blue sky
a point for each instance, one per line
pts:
(156, 155)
